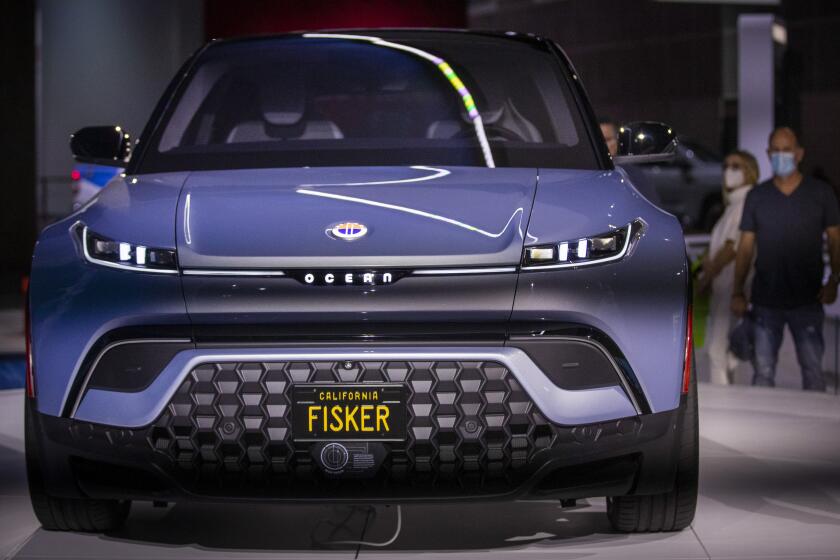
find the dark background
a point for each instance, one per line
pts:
(103, 62)
(17, 142)
(677, 62)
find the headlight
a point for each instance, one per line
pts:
(581, 252)
(127, 256)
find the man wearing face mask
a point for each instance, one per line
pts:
(783, 224)
(740, 173)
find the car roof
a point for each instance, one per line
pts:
(395, 32)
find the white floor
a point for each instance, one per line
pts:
(770, 488)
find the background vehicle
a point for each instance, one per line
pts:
(289, 240)
(689, 186)
(89, 179)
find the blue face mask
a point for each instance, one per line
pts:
(784, 163)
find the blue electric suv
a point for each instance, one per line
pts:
(376, 266)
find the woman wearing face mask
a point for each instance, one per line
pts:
(740, 173)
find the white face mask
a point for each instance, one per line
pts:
(733, 178)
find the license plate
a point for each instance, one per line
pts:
(348, 412)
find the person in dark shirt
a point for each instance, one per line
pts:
(782, 225)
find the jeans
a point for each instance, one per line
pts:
(806, 325)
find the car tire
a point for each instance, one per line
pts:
(66, 514)
(669, 511)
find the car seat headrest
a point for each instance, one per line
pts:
(283, 100)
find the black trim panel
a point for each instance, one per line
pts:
(109, 338)
(570, 363)
(132, 365)
(584, 331)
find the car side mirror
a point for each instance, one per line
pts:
(645, 142)
(103, 145)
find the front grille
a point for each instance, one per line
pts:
(468, 423)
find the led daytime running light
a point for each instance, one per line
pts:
(126, 256)
(581, 252)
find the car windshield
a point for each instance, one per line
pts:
(404, 98)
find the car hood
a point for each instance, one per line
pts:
(415, 216)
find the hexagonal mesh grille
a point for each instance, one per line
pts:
(467, 421)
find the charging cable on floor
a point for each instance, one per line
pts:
(378, 544)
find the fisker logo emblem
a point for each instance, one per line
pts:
(348, 231)
(334, 457)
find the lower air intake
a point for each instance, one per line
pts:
(468, 423)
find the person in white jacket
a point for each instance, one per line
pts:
(740, 173)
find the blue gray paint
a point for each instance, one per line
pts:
(463, 217)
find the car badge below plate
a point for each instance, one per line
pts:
(348, 231)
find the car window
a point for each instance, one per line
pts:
(330, 99)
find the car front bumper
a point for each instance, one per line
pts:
(482, 422)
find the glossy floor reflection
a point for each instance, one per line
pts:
(770, 486)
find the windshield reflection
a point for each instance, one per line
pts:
(466, 97)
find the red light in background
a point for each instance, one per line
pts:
(75, 175)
